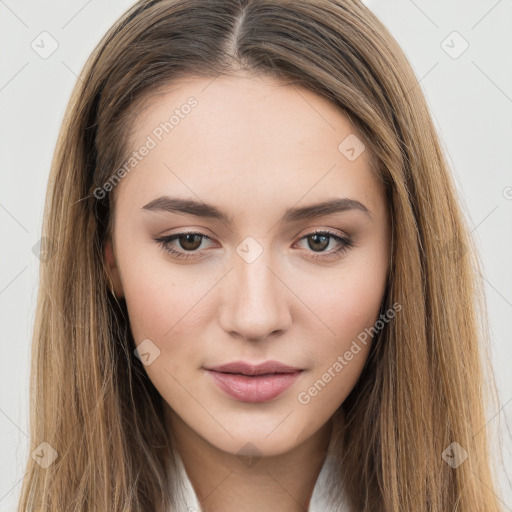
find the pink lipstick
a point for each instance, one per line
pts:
(254, 383)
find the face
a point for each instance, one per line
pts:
(222, 258)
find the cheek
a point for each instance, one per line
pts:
(350, 309)
(349, 304)
(164, 302)
(165, 307)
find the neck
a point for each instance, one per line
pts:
(225, 481)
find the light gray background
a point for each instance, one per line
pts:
(470, 99)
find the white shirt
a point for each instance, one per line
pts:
(188, 502)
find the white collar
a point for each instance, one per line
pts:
(186, 499)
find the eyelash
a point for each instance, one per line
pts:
(165, 241)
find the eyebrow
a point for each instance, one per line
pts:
(201, 209)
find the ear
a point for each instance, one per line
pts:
(113, 271)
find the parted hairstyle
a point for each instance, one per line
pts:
(427, 378)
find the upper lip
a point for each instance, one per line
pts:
(245, 368)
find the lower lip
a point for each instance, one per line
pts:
(255, 389)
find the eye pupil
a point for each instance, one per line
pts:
(322, 245)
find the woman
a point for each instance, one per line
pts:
(262, 293)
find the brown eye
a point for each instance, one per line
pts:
(187, 245)
(190, 241)
(182, 245)
(318, 242)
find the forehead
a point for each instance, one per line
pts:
(236, 105)
(245, 136)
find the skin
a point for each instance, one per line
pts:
(253, 147)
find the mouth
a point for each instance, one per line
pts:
(250, 369)
(254, 383)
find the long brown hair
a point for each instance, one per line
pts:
(422, 387)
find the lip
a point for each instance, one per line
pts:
(254, 383)
(245, 368)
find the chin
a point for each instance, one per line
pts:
(258, 439)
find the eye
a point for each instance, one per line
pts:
(190, 241)
(318, 241)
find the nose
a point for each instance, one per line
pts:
(255, 303)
